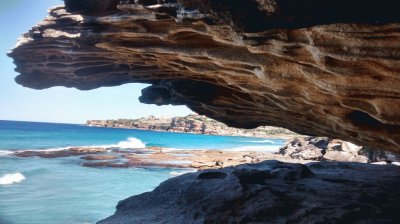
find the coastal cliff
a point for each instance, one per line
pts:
(196, 124)
(322, 69)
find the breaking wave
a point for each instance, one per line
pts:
(131, 143)
(11, 178)
(5, 152)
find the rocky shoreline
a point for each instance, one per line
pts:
(330, 149)
(195, 124)
(297, 150)
(156, 157)
(300, 183)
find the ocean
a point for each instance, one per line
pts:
(60, 190)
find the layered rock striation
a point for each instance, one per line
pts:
(326, 68)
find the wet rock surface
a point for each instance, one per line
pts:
(156, 157)
(75, 151)
(322, 69)
(271, 192)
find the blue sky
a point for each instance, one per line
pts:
(59, 104)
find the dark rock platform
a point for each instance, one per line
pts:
(271, 192)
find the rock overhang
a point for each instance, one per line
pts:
(329, 69)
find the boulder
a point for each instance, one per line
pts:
(307, 148)
(345, 157)
(350, 147)
(319, 148)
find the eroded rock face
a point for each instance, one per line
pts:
(271, 192)
(326, 68)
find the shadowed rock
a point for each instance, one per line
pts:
(74, 151)
(99, 157)
(271, 192)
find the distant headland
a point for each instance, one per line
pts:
(193, 123)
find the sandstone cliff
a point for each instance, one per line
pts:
(196, 124)
(322, 68)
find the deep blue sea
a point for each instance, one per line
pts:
(60, 190)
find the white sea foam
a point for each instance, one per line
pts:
(131, 143)
(50, 149)
(11, 178)
(178, 173)
(261, 141)
(5, 152)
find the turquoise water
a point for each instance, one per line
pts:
(30, 135)
(59, 190)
